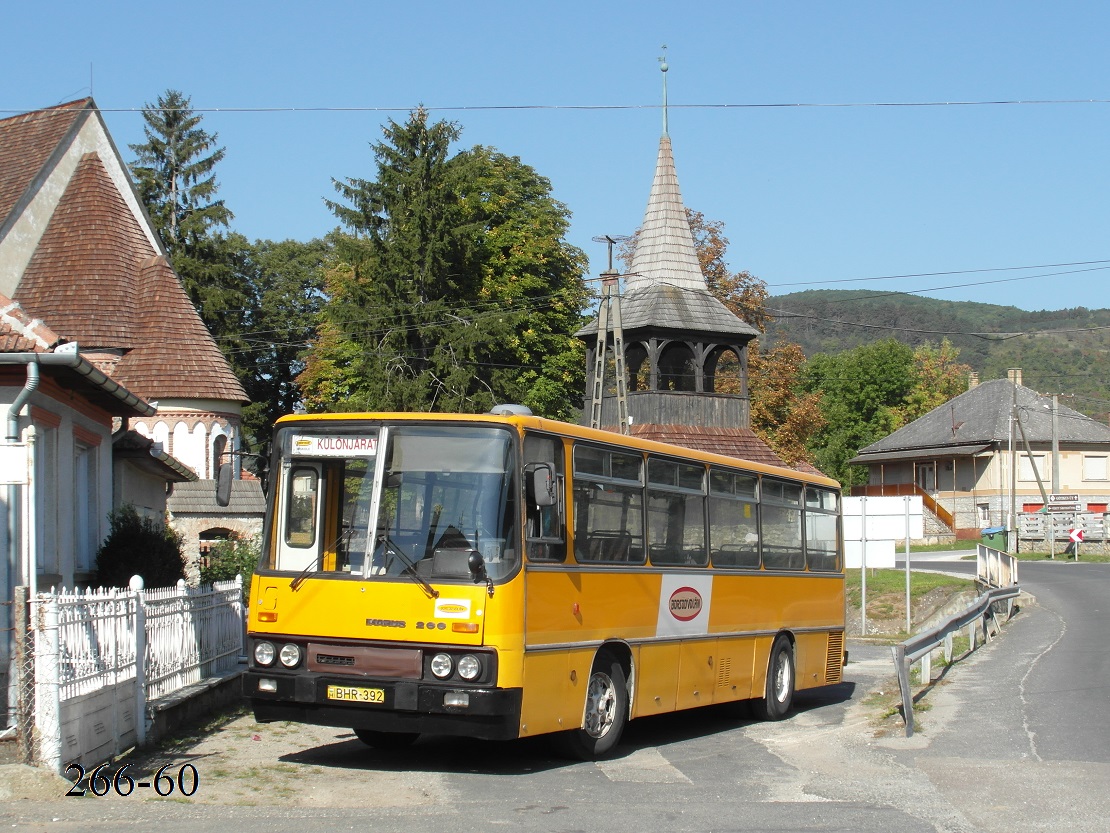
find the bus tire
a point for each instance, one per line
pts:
(386, 740)
(606, 713)
(779, 690)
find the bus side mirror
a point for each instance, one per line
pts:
(542, 486)
(223, 485)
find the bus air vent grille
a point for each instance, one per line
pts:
(834, 659)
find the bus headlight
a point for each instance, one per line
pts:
(441, 666)
(470, 667)
(264, 653)
(290, 655)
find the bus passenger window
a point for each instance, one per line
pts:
(608, 506)
(676, 513)
(821, 530)
(733, 519)
(781, 519)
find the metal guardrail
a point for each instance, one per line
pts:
(995, 568)
(920, 647)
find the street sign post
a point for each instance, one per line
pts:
(1076, 536)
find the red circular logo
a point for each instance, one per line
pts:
(685, 604)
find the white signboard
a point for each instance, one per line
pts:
(335, 445)
(886, 518)
(14, 470)
(880, 554)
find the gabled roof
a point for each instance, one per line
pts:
(160, 365)
(24, 341)
(199, 498)
(980, 418)
(97, 274)
(143, 454)
(19, 333)
(81, 277)
(27, 142)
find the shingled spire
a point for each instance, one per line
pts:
(685, 352)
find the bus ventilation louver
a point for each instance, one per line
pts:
(834, 659)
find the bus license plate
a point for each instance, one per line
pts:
(356, 694)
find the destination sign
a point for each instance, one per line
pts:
(334, 445)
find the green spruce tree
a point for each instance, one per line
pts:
(452, 290)
(174, 170)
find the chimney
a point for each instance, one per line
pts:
(972, 380)
(1014, 375)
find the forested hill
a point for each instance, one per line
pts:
(1049, 346)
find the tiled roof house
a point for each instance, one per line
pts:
(969, 457)
(79, 255)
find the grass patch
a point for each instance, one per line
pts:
(948, 547)
(890, 582)
(1090, 558)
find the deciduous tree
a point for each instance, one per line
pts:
(453, 287)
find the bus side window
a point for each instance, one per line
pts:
(608, 505)
(545, 538)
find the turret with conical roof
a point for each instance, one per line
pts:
(679, 339)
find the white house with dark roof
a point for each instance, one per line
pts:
(106, 369)
(989, 452)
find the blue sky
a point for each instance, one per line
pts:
(811, 196)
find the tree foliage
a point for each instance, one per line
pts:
(742, 292)
(174, 170)
(285, 283)
(234, 556)
(784, 416)
(453, 288)
(937, 377)
(872, 391)
(138, 545)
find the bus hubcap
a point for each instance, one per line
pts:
(600, 702)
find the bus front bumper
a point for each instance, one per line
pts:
(406, 706)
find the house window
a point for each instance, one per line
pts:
(1031, 467)
(1094, 467)
(86, 505)
(984, 514)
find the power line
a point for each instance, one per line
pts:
(463, 108)
(941, 274)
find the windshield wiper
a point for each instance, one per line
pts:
(311, 569)
(389, 545)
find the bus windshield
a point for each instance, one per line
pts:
(438, 494)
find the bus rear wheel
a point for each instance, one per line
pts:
(386, 740)
(606, 713)
(779, 691)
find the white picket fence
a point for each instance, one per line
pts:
(91, 693)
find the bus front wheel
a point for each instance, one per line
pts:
(779, 691)
(605, 716)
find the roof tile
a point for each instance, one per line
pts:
(26, 143)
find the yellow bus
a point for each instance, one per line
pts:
(502, 575)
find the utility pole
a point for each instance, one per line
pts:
(610, 296)
(1055, 444)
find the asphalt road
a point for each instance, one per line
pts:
(1012, 740)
